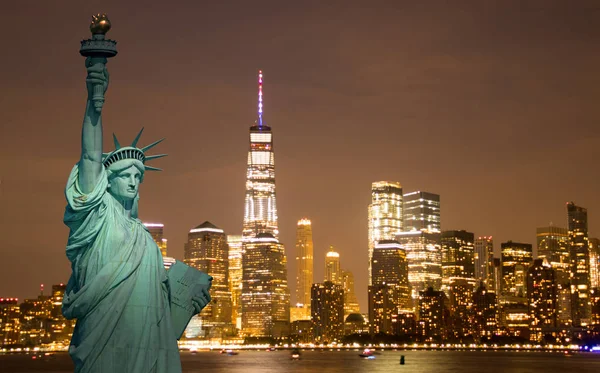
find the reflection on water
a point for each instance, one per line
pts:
(347, 361)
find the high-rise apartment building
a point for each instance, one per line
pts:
(350, 301)
(390, 267)
(553, 245)
(207, 250)
(260, 208)
(385, 214)
(458, 257)
(424, 256)
(383, 308)
(433, 315)
(594, 262)
(10, 324)
(327, 309)
(265, 293)
(304, 263)
(542, 299)
(485, 312)
(484, 260)
(333, 271)
(422, 212)
(516, 259)
(235, 278)
(581, 307)
(156, 231)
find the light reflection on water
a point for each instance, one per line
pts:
(349, 361)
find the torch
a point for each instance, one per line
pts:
(98, 49)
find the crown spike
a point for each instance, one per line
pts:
(150, 168)
(117, 145)
(135, 141)
(148, 147)
(150, 157)
(260, 98)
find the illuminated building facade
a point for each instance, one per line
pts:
(390, 267)
(235, 278)
(553, 245)
(496, 283)
(265, 293)
(514, 319)
(458, 261)
(484, 260)
(385, 214)
(594, 250)
(422, 212)
(327, 310)
(304, 263)
(355, 324)
(383, 308)
(485, 312)
(207, 250)
(156, 231)
(516, 259)
(333, 271)
(260, 208)
(350, 301)
(581, 307)
(433, 315)
(542, 297)
(461, 307)
(424, 256)
(10, 324)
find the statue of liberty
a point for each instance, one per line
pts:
(119, 290)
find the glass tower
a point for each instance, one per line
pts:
(260, 208)
(235, 277)
(385, 214)
(333, 271)
(516, 259)
(581, 307)
(304, 262)
(484, 261)
(422, 212)
(553, 245)
(457, 257)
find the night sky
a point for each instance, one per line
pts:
(494, 105)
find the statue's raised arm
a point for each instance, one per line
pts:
(90, 163)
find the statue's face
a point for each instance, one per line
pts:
(125, 184)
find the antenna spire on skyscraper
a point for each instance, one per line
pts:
(260, 100)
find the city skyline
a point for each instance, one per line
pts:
(473, 88)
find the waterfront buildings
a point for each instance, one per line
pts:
(207, 250)
(383, 308)
(485, 312)
(516, 259)
(390, 267)
(542, 299)
(327, 310)
(350, 301)
(594, 250)
(304, 263)
(484, 260)
(553, 245)
(156, 231)
(433, 315)
(423, 253)
(235, 278)
(333, 270)
(9, 321)
(385, 214)
(581, 307)
(458, 262)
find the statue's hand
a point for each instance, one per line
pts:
(97, 74)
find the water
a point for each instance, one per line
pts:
(347, 361)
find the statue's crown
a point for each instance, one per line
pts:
(131, 152)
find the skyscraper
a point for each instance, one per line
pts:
(260, 211)
(327, 309)
(304, 262)
(485, 312)
(156, 231)
(383, 308)
(385, 214)
(390, 267)
(553, 245)
(484, 261)
(423, 253)
(333, 271)
(207, 251)
(421, 212)
(594, 263)
(457, 257)
(581, 307)
(516, 259)
(265, 293)
(433, 315)
(350, 301)
(235, 278)
(542, 297)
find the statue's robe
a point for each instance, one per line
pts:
(118, 289)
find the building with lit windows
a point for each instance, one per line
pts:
(304, 264)
(594, 250)
(390, 267)
(553, 245)
(10, 324)
(385, 214)
(516, 259)
(458, 258)
(461, 307)
(496, 279)
(383, 308)
(350, 301)
(484, 260)
(542, 297)
(514, 318)
(581, 307)
(156, 231)
(333, 271)
(485, 315)
(235, 278)
(260, 207)
(265, 293)
(206, 250)
(421, 212)
(327, 310)
(433, 316)
(424, 257)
